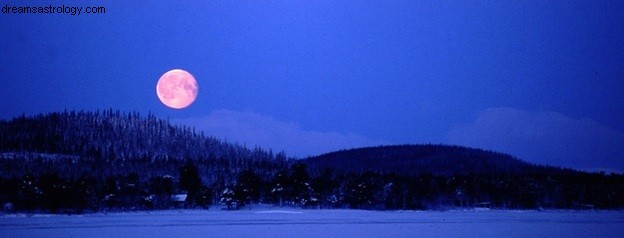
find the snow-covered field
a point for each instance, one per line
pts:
(274, 222)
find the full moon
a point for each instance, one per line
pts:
(177, 89)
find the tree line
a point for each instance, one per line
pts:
(295, 186)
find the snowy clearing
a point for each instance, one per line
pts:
(318, 223)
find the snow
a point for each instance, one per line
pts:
(284, 222)
(279, 211)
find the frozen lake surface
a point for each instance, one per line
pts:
(273, 222)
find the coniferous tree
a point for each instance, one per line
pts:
(228, 198)
(247, 188)
(190, 182)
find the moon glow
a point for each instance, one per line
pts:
(177, 89)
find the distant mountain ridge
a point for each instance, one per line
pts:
(424, 159)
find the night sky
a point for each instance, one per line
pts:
(541, 80)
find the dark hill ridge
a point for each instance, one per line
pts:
(105, 143)
(424, 159)
(115, 135)
(107, 136)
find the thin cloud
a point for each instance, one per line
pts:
(545, 138)
(254, 129)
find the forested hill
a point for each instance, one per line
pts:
(117, 138)
(115, 135)
(425, 159)
(109, 142)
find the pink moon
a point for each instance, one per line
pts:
(177, 89)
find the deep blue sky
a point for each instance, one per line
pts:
(542, 80)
